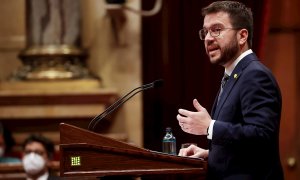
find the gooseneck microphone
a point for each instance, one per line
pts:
(94, 122)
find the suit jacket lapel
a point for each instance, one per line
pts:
(213, 109)
(237, 72)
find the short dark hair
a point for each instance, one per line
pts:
(47, 143)
(240, 15)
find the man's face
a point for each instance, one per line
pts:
(38, 148)
(223, 48)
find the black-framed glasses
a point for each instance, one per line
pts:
(34, 151)
(214, 32)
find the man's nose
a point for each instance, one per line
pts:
(208, 37)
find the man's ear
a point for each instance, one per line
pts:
(242, 36)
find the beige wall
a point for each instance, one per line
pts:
(118, 64)
(12, 39)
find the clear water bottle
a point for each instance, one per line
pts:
(169, 142)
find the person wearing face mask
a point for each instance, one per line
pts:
(37, 154)
(243, 127)
(6, 143)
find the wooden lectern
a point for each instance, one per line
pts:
(88, 154)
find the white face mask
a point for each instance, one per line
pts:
(1, 151)
(33, 163)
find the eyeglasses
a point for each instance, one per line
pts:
(214, 32)
(36, 152)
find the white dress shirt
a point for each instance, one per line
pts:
(42, 177)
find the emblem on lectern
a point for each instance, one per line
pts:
(75, 161)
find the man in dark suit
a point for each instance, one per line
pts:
(243, 129)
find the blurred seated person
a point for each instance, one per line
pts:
(6, 144)
(37, 155)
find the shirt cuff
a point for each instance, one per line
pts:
(210, 129)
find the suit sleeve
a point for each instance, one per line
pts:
(257, 115)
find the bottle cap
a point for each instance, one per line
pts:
(168, 129)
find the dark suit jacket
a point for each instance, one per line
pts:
(245, 143)
(53, 177)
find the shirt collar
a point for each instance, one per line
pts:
(42, 177)
(229, 69)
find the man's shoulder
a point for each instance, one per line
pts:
(258, 67)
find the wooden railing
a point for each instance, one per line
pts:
(15, 171)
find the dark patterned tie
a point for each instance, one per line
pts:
(223, 83)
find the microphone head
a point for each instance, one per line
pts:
(158, 83)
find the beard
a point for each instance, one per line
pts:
(228, 53)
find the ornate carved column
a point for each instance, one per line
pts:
(53, 45)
